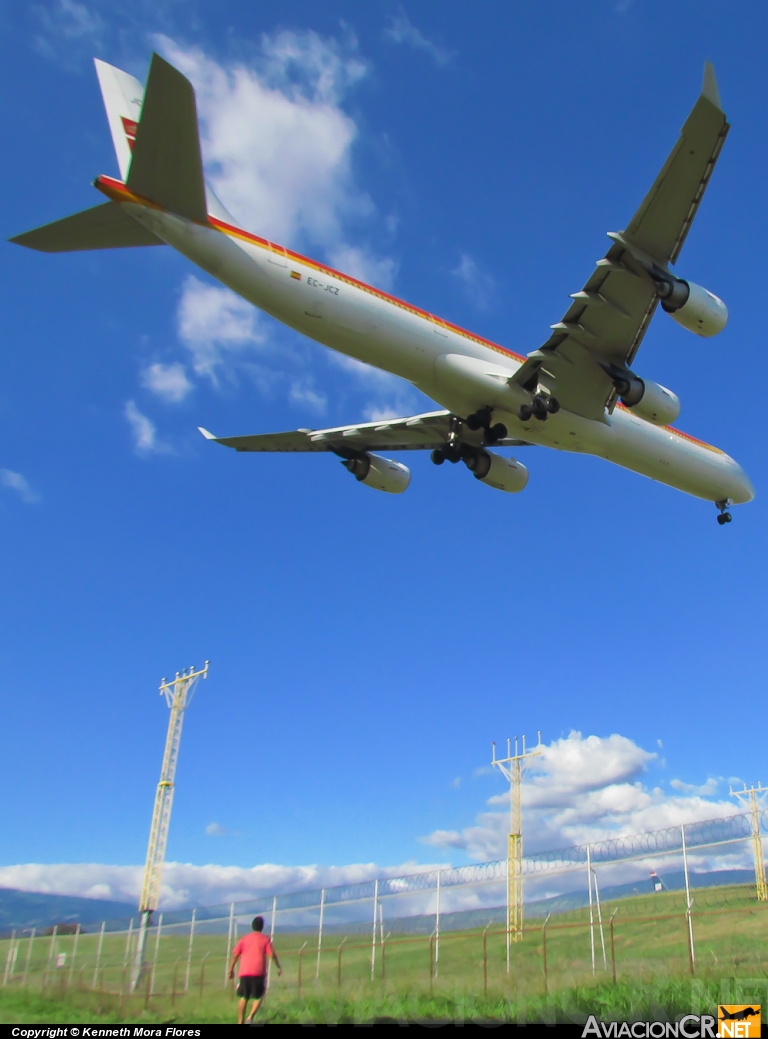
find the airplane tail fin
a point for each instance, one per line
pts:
(166, 166)
(122, 95)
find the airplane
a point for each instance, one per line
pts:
(577, 392)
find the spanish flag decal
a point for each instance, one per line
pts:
(295, 274)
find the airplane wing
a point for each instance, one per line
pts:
(417, 433)
(608, 318)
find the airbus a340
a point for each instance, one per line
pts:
(576, 392)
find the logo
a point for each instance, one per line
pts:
(738, 1020)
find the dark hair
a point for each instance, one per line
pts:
(258, 923)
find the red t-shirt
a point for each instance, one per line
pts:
(253, 950)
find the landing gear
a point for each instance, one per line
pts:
(725, 516)
(482, 420)
(539, 408)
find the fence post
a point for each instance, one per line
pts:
(320, 932)
(437, 925)
(229, 942)
(591, 916)
(189, 949)
(98, 954)
(272, 933)
(202, 972)
(544, 954)
(157, 953)
(338, 966)
(74, 954)
(688, 904)
(32, 934)
(173, 989)
(128, 943)
(301, 956)
(599, 917)
(613, 948)
(8, 958)
(373, 932)
(431, 961)
(485, 960)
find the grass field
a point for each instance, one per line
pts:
(464, 976)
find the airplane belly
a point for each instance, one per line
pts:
(664, 454)
(323, 308)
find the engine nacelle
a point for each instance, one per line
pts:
(505, 474)
(657, 404)
(383, 474)
(693, 307)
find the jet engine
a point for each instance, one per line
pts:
(649, 400)
(505, 474)
(657, 404)
(380, 473)
(693, 307)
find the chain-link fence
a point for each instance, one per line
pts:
(445, 923)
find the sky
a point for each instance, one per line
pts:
(365, 649)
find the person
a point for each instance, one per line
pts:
(252, 950)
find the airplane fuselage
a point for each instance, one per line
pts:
(461, 371)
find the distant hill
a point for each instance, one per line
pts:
(27, 909)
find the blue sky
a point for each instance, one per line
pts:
(364, 649)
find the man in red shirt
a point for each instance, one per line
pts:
(252, 950)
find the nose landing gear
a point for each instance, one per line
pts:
(725, 516)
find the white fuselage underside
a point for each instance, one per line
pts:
(378, 330)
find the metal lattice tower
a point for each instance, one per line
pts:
(756, 795)
(513, 766)
(178, 696)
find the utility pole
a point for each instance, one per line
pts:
(512, 767)
(178, 696)
(756, 796)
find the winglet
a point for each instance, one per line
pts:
(709, 86)
(206, 434)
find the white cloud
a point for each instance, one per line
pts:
(144, 431)
(704, 790)
(168, 381)
(583, 790)
(217, 830)
(402, 30)
(214, 324)
(478, 285)
(360, 263)
(68, 29)
(18, 483)
(185, 884)
(276, 142)
(303, 392)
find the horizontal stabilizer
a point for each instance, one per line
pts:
(166, 166)
(104, 227)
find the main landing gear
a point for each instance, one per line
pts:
(539, 408)
(725, 516)
(482, 420)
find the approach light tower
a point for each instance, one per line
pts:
(178, 696)
(513, 766)
(756, 796)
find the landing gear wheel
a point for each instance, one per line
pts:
(724, 517)
(498, 432)
(473, 423)
(553, 406)
(524, 412)
(438, 457)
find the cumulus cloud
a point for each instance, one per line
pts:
(168, 381)
(145, 438)
(402, 30)
(478, 285)
(217, 830)
(18, 483)
(214, 324)
(67, 28)
(184, 884)
(583, 790)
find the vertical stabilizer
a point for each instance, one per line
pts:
(123, 96)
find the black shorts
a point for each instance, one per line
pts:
(251, 986)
